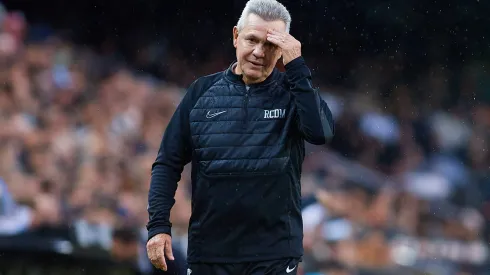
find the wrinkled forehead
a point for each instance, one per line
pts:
(260, 26)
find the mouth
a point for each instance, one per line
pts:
(256, 64)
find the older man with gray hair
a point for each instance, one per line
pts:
(244, 131)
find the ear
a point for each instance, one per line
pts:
(235, 36)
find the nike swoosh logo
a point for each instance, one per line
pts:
(209, 115)
(288, 270)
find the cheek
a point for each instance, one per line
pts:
(245, 49)
(243, 55)
(239, 50)
(273, 56)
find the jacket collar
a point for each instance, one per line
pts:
(237, 78)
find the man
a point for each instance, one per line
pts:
(243, 130)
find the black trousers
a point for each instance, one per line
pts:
(274, 267)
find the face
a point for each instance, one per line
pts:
(256, 56)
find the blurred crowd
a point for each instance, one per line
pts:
(79, 134)
(404, 184)
(405, 181)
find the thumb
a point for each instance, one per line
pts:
(168, 250)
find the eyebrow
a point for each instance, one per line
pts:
(252, 35)
(255, 33)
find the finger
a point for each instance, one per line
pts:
(280, 37)
(159, 262)
(163, 263)
(276, 32)
(275, 35)
(168, 251)
(160, 259)
(157, 258)
(275, 40)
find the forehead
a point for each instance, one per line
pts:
(255, 24)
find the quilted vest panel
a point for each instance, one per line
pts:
(240, 131)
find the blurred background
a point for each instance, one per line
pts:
(87, 88)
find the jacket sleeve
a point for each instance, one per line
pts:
(314, 118)
(174, 153)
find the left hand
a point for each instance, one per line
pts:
(291, 48)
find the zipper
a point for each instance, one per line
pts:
(245, 107)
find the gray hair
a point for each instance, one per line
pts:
(269, 10)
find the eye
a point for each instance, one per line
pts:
(270, 45)
(251, 40)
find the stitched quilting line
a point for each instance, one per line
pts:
(214, 147)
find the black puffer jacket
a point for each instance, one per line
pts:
(246, 145)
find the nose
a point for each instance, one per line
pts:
(259, 51)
